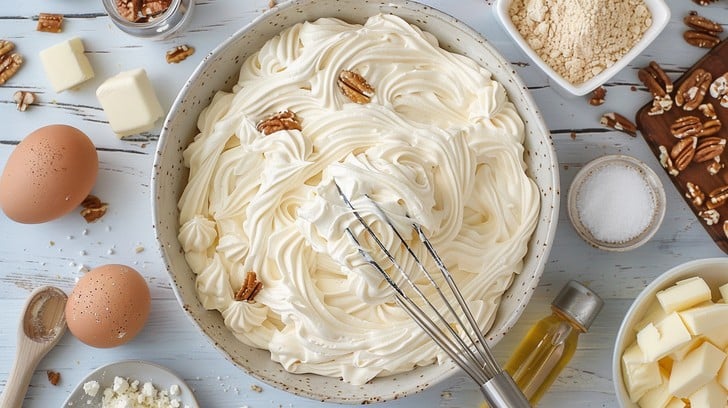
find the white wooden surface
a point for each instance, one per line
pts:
(51, 253)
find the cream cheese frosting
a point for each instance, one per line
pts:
(439, 142)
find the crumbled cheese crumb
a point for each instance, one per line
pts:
(126, 393)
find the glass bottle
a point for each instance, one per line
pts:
(551, 342)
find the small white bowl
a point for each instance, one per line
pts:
(713, 270)
(660, 17)
(650, 178)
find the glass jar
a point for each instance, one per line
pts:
(160, 26)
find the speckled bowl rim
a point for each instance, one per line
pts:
(539, 150)
(658, 192)
(707, 268)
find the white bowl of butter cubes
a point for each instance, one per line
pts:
(672, 345)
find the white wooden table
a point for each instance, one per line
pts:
(53, 253)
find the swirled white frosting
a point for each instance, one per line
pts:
(439, 142)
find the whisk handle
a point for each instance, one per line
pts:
(502, 392)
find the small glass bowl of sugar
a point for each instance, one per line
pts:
(616, 203)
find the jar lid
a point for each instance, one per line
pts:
(579, 303)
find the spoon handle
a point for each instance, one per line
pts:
(26, 359)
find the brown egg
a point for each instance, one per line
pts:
(109, 306)
(48, 174)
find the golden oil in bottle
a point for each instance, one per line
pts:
(551, 342)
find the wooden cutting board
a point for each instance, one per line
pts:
(656, 131)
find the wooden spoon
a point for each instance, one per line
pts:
(42, 325)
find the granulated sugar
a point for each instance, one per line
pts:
(615, 203)
(580, 39)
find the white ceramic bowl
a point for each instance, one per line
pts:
(219, 70)
(660, 17)
(713, 270)
(651, 180)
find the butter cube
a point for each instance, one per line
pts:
(686, 348)
(657, 397)
(639, 376)
(718, 336)
(711, 395)
(703, 319)
(724, 292)
(654, 313)
(656, 340)
(129, 102)
(66, 65)
(722, 377)
(684, 294)
(698, 368)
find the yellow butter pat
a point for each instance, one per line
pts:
(724, 292)
(657, 397)
(722, 377)
(639, 376)
(684, 294)
(698, 368)
(704, 319)
(710, 395)
(66, 65)
(656, 340)
(675, 403)
(686, 348)
(130, 103)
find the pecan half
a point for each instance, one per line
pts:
(655, 79)
(50, 23)
(718, 197)
(719, 89)
(23, 99)
(598, 96)
(704, 2)
(725, 228)
(686, 126)
(682, 152)
(355, 87)
(707, 109)
(710, 128)
(53, 377)
(249, 289)
(179, 54)
(618, 122)
(9, 62)
(700, 39)
(708, 148)
(700, 23)
(695, 194)
(285, 120)
(691, 92)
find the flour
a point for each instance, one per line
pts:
(580, 38)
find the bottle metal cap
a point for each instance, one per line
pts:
(579, 303)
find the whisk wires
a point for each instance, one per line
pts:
(469, 350)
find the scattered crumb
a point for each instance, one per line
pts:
(53, 377)
(84, 232)
(110, 251)
(633, 88)
(51, 243)
(256, 388)
(69, 237)
(139, 249)
(573, 135)
(272, 3)
(82, 252)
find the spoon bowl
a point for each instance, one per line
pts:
(41, 327)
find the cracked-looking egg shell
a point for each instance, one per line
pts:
(48, 174)
(109, 306)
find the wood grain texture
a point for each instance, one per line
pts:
(52, 253)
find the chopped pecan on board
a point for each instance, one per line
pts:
(179, 53)
(719, 89)
(249, 289)
(666, 161)
(711, 216)
(285, 120)
(691, 92)
(618, 122)
(355, 87)
(710, 127)
(50, 23)
(23, 99)
(718, 197)
(707, 109)
(9, 61)
(694, 193)
(715, 166)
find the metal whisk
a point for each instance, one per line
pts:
(467, 349)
